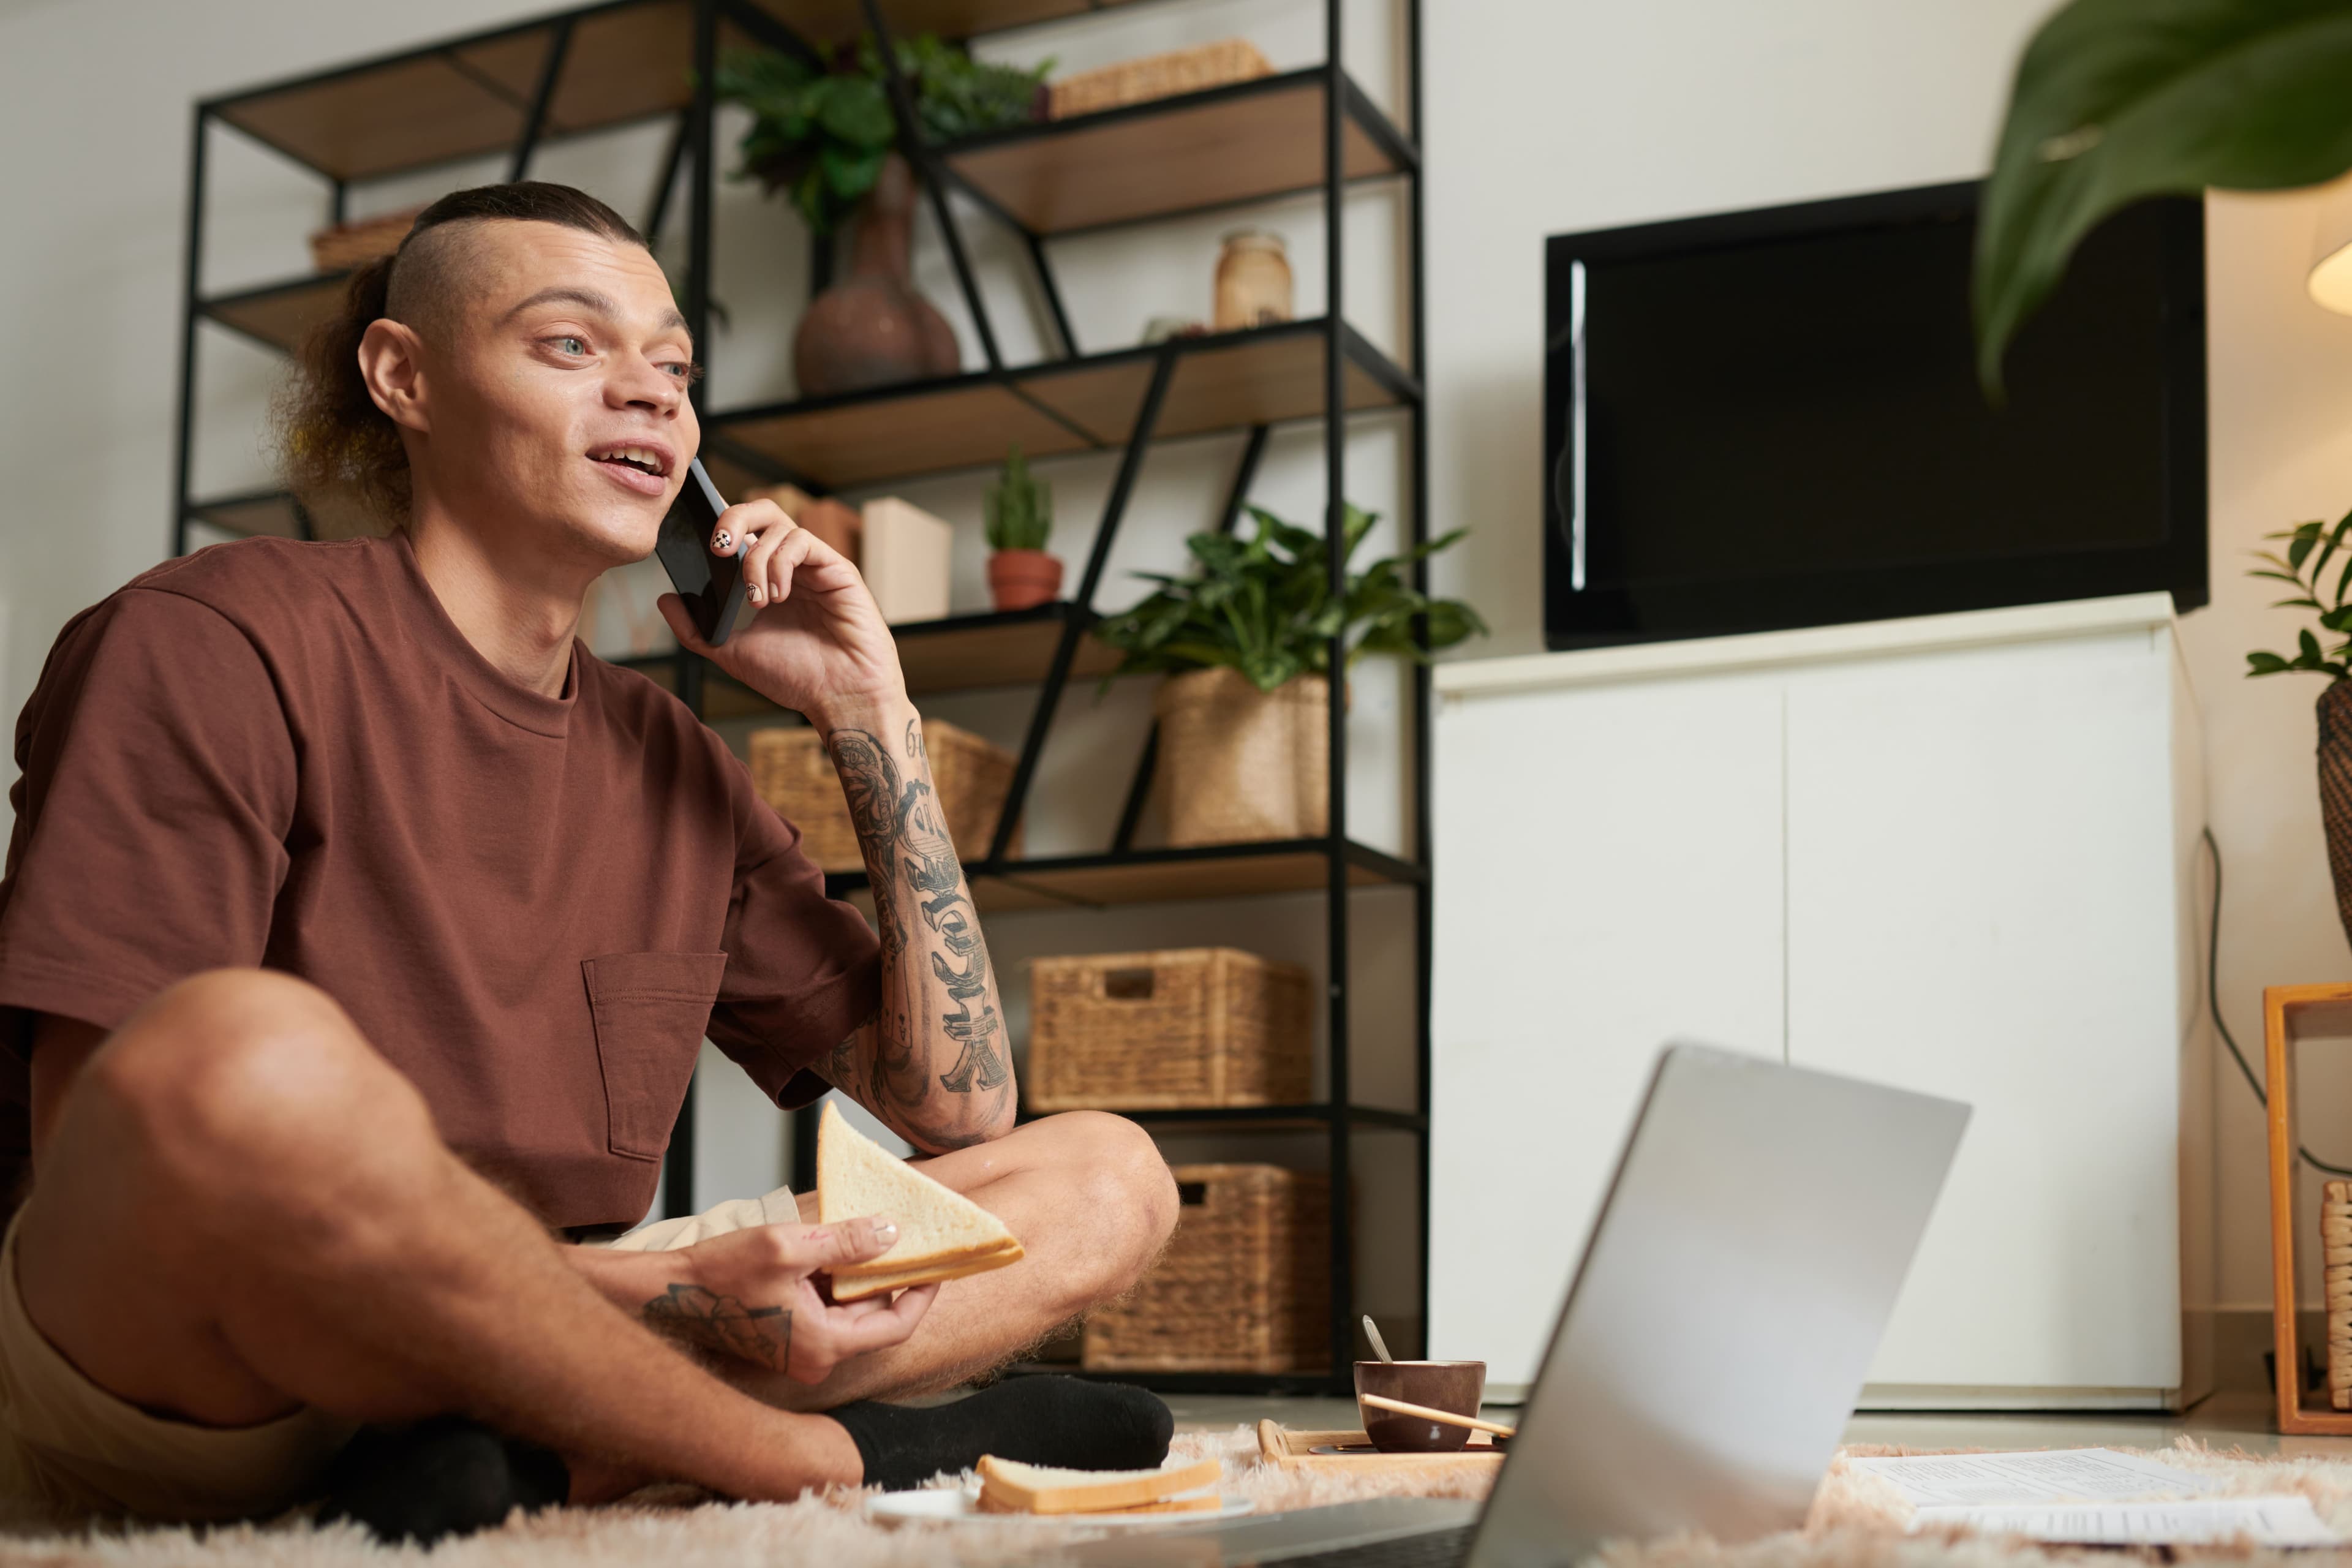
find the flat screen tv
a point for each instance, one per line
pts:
(1770, 419)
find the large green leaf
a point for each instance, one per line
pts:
(2117, 99)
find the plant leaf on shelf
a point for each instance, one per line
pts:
(2118, 100)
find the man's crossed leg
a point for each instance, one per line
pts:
(244, 1216)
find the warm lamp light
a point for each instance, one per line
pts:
(2330, 281)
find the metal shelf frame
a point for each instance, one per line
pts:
(691, 158)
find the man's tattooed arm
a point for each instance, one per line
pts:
(761, 1335)
(934, 1065)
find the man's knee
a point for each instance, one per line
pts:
(1118, 1171)
(236, 1073)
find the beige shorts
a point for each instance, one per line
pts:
(69, 1449)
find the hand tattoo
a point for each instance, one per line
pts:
(910, 861)
(762, 1335)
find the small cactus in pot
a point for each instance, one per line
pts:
(1018, 511)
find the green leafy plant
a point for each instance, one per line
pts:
(821, 135)
(1262, 604)
(1018, 509)
(2117, 99)
(2311, 549)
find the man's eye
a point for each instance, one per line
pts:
(572, 345)
(680, 369)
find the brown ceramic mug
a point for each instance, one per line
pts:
(1451, 1385)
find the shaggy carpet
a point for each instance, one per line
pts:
(1857, 1522)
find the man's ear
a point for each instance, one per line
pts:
(391, 363)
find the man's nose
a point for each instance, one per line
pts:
(638, 384)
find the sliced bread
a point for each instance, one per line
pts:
(941, 1234)
(1008, 1486)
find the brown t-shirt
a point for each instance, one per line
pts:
(287, 754)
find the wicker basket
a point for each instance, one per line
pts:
(1238, 765)
(1156, 76)
(1245, 1285)
(2335, 1252)
(1193, 1027)
(793, 773)
(350, 244)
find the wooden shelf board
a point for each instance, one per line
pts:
(1239, 143)
(1227, 381)
(471, 97)
(282, 314)
(272, 513)
(926, 428)
(971, 652)
(831, 21)
(1146, 878)
(963, 653)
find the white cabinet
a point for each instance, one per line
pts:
(1955, 854)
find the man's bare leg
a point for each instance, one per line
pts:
(1093, 1204)
(243, 1208)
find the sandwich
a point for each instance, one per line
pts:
(942, 1235)
(1008, 1486)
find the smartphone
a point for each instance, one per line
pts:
(711, 585)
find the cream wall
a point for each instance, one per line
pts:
(1545, 115)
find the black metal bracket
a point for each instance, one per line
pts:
(919, 155)
(666, 182)
(550, 71)
(1065, 650)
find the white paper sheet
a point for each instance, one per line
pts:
(1933, 1480)
(2266, 1521)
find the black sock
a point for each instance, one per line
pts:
(1059, 1421)
(448, 1476)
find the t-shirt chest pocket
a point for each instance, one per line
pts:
(650, 1011)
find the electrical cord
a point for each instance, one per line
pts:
(2213, 1006)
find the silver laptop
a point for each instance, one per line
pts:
(1713, 1341)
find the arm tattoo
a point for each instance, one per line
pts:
(922, 907)
(762, 1335)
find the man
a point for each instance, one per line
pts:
(360, 931)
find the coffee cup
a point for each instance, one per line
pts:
(1455, 1386)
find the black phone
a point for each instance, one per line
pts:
(711, 585)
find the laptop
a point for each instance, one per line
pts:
(1715, 1338)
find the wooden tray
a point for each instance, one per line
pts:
(1277, 1444)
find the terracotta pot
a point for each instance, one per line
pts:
(1023, 579)
(872, 328)
(1238, 765)
(2335, 790)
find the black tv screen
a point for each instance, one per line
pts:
(1772, 420)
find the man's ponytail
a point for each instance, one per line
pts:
(336, 448)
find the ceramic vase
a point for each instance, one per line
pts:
(872, 328)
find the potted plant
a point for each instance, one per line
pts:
(2312, 548)
(1246, 642)
(827, 137)
(1019, 512)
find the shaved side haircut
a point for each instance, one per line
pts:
(331, 439)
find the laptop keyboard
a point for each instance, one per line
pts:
(1434, 1549)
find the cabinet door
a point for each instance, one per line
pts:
(1608, 878)
(1982, 905)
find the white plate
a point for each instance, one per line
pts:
(956, 1505)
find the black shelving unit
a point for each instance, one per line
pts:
(597, 67)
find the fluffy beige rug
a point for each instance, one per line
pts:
(1856, 1523)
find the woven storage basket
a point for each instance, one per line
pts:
(1245, 1285)
(793, 773)
(1156, 76)
(1201, 1026)
(2335, 1252)
(350, 244)
(1238, 765)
